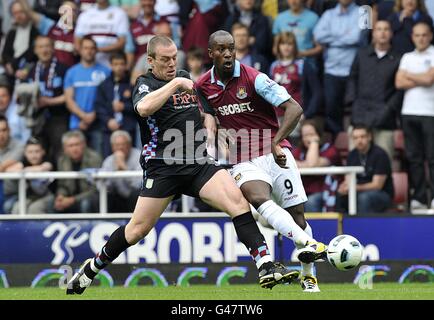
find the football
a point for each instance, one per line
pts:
(344, 252)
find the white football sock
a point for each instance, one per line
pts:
(307, 268)
(283, 222)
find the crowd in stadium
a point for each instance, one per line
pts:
(68, 70)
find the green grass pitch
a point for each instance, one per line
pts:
(380, 291)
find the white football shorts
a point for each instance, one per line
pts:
(286, 184)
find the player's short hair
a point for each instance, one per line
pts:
(158, 41)
(218, 33)
(120, 133)
(73, 134)
(286, 37)
(118, 55)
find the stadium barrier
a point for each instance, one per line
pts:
(99, 176)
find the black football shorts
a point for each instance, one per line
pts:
(162, 181)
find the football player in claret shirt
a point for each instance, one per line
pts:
(243, 100)
(165, 104)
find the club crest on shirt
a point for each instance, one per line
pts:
(241, 93)
(237, 177)
(149, 183)
(143, 88)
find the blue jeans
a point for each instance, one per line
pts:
(373, 201)
(95, 140)
(314, 202)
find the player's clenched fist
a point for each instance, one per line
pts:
(185, 84)
(279, 155)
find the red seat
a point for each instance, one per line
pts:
(342, 144)
(398, 140)
(400, 184)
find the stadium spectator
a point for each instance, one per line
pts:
(122, 193)
(300, 21)
(258, 25)
(9, 109)
(243, 52)
(49, 8)
(76, 195)
(107, 25)
(50, 73)
(131, 7)
(406, 14)
(38, 192)
(113, 104)
(371, 90)
(170, 10)
(430, 8)
(198, 19)
(11, 151)
(144, 27)
(319, 6)
(85, 5)
(416, 77)
(195, 62)
(374, 186)
(314, 152)
(338, 33)
(80, 87)
(18, 56)
(299, 76)
(162, 29)
(62, 31)
(385, 9)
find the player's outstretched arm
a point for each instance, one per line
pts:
(153, 101)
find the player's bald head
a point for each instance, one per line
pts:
(219, 36)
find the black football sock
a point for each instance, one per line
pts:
(116, 244)
(249, 234)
